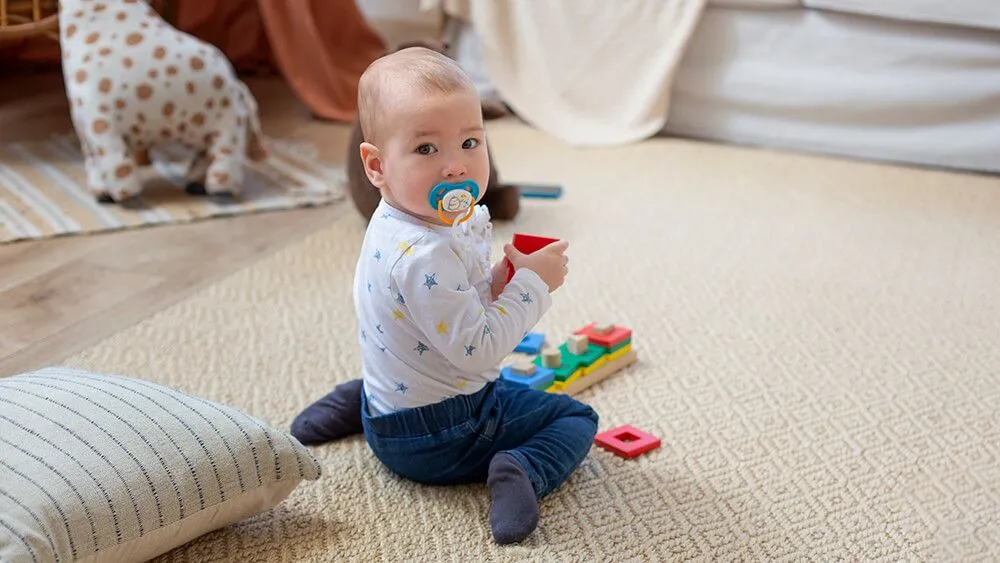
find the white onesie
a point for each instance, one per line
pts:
(429, 329)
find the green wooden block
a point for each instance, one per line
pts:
(571, 362)
(590, 356)
(566, 367)
(616, 347)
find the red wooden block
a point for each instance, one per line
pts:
(627, 441)
(615, 337)
(527, 244)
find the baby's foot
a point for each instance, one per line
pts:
(336, 415)
(514, 514)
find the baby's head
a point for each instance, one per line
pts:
(423, 125)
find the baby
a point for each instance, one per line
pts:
(436, 318)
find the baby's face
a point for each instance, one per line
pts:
(438, 138)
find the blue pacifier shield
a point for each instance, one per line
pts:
(453, 197)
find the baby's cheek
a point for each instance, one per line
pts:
(483, 169)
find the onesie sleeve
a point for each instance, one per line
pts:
(435, 292)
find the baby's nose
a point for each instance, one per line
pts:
(454, 170)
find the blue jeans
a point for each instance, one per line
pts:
(452, 442)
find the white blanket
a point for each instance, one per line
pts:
(589, 72)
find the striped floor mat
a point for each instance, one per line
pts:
(43, 189)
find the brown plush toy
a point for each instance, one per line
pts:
(502, 200)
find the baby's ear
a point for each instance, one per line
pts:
(372, 160)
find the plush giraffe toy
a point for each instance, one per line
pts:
(133, 81)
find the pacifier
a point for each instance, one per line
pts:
(454, 197)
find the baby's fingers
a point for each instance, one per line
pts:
(557, 247)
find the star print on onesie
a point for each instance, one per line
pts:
(428, 327)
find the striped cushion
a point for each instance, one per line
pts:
(105, 468)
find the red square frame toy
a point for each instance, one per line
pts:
(627, 441)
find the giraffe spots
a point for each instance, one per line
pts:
(197, 63)
(104, 85)
(119, 104)
(81, 76)
(239, 121)
(218, 82)
(133, 38)
(190, 87)
(144, 25)
(168, 109)
(100, 7)
(122, 16)
(226, 151)
(105, 51)
(210, 138)
(153, 73)
(87, 57)
(182, 127)
(141, 117)
(92, 38)
(123, 171)
(221, 177)
(136, 130)
(166, 133)
(210, 103)
(78, 14)
(141, 157)
(144, 91)
(104, 108)
(70, 30)
(100, 151)
(225, 102)
(198, 119)
(127, 62)
(159, 53)
(171, 70)
(129, 1)
(100, 126)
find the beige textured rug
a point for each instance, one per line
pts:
(43, 189)
(818, 354)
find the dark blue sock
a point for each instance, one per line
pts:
(514, 513)
(336, 415)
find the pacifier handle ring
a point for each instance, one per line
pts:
(472, 208)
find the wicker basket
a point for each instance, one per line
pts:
(23, 19)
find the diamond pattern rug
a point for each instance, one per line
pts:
(818, 356)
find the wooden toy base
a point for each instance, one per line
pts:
(598, 375)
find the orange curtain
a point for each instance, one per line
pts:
(321, 47)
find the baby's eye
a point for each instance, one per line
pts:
(470, 143)
(426, 148)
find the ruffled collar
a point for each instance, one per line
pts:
(475, 235)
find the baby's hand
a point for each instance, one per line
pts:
(550, 263)
(499, 278)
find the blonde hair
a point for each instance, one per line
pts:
(412, 70)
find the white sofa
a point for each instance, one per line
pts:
(911, 81)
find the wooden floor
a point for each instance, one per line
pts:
(61, 295)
